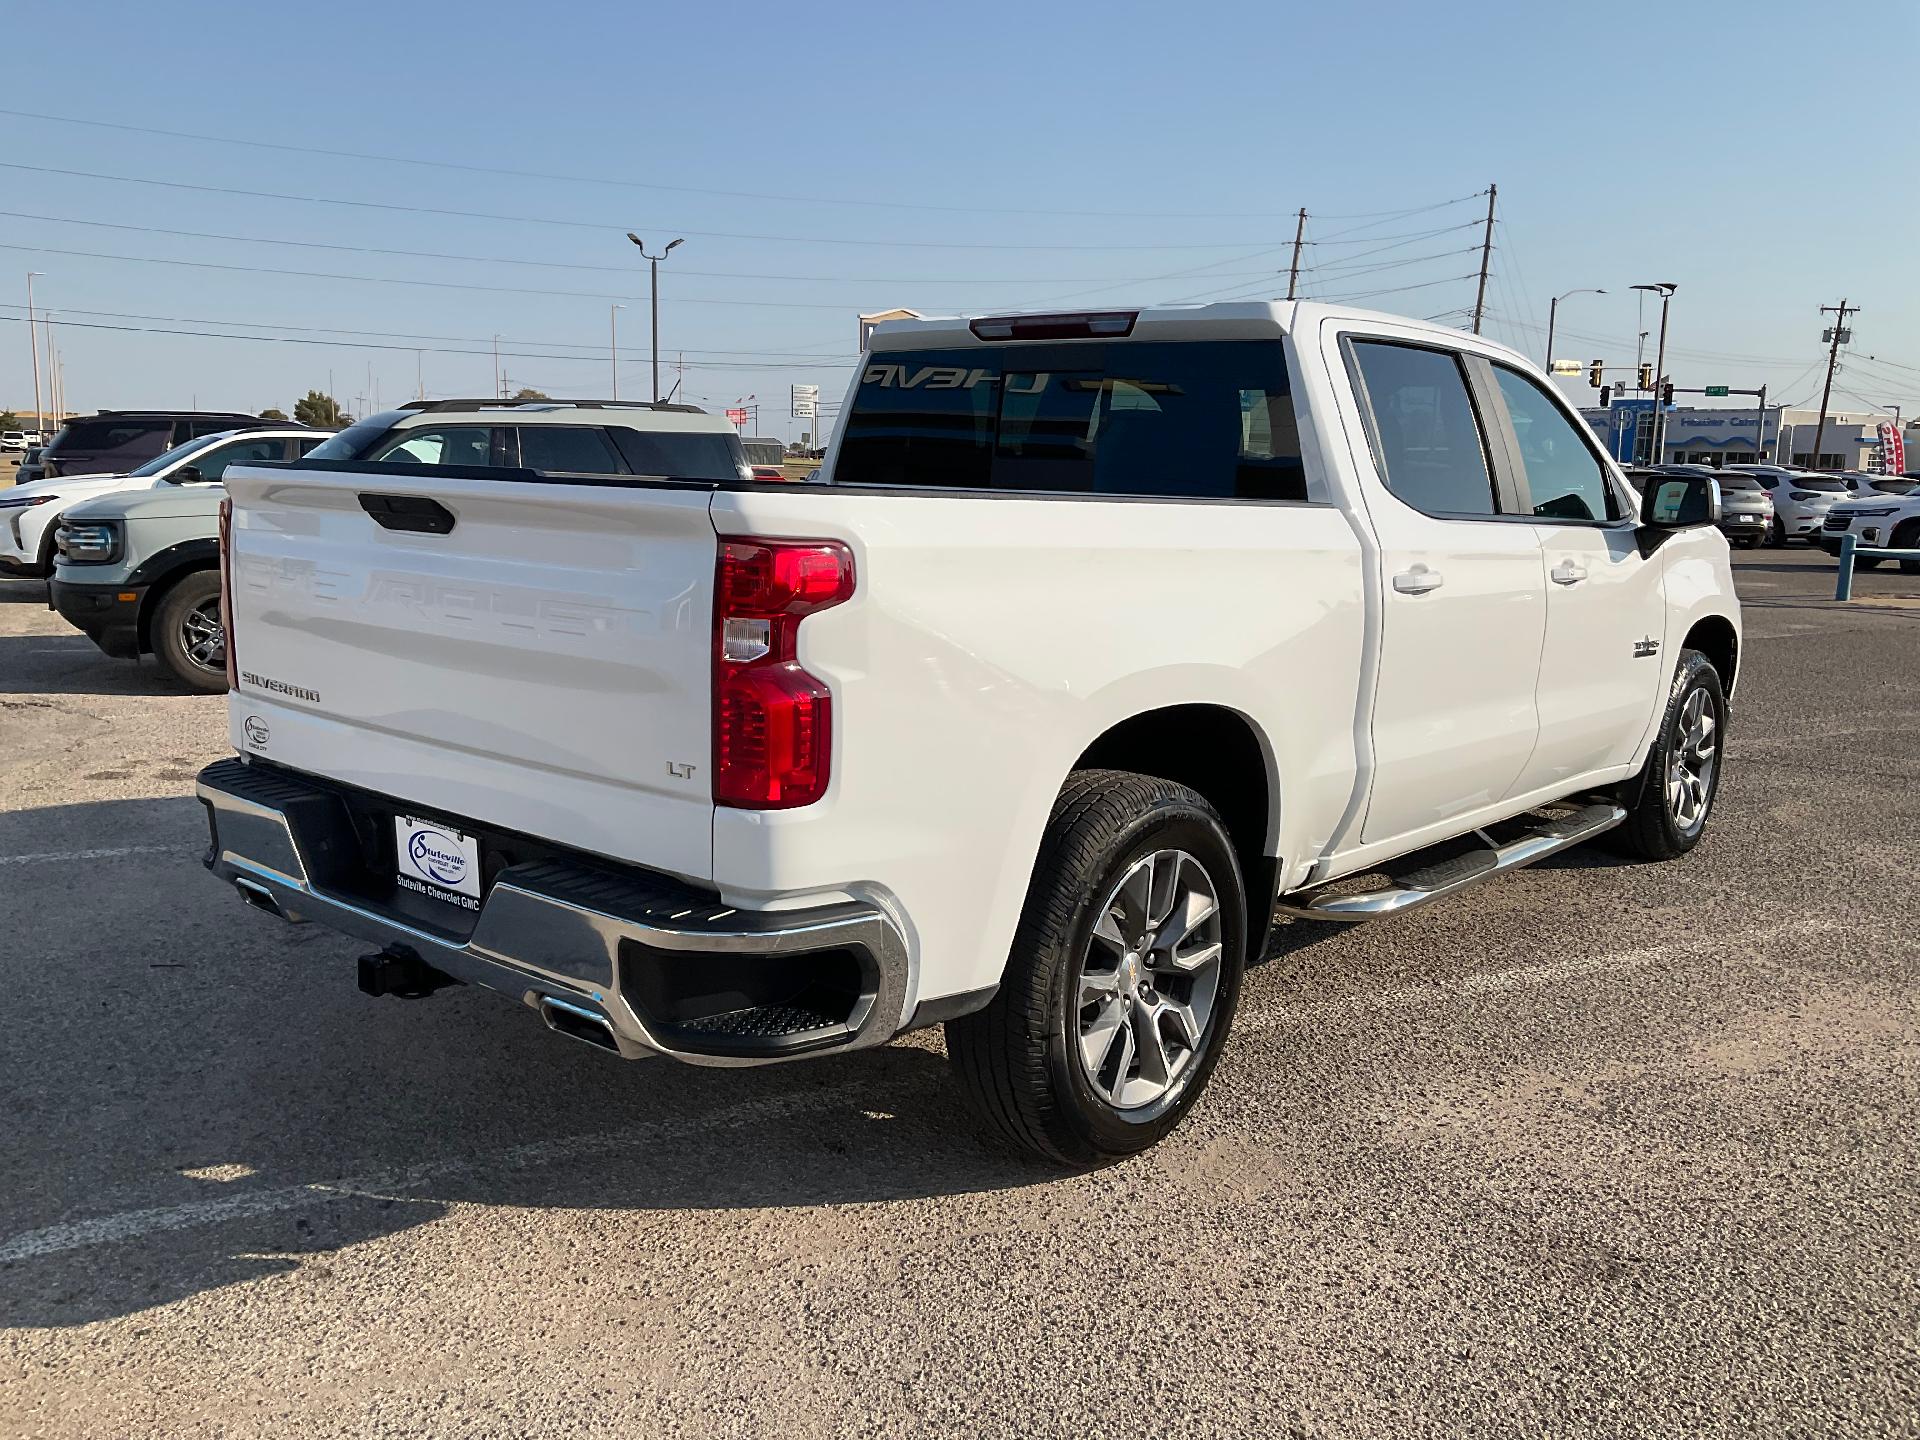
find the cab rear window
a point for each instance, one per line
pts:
(1188, 420)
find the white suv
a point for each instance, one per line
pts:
(29, 514)
(1801, 499)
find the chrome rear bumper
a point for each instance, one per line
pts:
(584, 944)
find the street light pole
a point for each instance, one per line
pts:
(1664, 289)
(653, 262)
(33, 343)
(613, 341)
(1553, 310)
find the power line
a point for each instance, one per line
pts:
(603, 180)
(596, 345)
(421, 349)
(423, 284)
(548, 264)
(604, 225)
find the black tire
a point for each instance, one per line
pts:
(197, 595)
(1019, 1060)
(1777, 534)
(1860, 564)
(1907, 537)
(1651, 830)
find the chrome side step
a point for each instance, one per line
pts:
(1449, 877)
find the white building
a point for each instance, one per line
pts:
(1850, 441)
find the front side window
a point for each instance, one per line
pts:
(1208, 420)
(439, 445)
(1564, 476)
(1430, 450)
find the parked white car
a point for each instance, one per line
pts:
(1801, 498)
(1106, 635)
(29, 514)
(16, 440)
(1888, 521)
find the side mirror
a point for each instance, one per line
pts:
(1679, 502)
(187, 475)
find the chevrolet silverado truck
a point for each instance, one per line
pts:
(1108, 641)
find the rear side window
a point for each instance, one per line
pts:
(118, 438)
(213, 463)
(573, 449)
(1427, 438)
(1190, 420)
(677, 455)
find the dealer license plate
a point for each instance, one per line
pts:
(437, 860)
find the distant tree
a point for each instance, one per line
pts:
(318, 409)
(527, 393)
(10, 421)
(272, 414)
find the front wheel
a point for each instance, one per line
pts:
(1124, 975)
(1682, 774)
(187, 634)
(1907, 537)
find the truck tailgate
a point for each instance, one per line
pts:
(542, 666)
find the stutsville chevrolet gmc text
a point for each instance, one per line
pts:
(1107, 639)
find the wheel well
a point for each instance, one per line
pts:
(1216, 752)
(1713, 637)
(157, 592)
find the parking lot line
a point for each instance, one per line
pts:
(137, 1224)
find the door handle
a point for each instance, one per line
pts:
(1418, 581)
(1567, 573)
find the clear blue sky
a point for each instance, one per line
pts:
(984, 157)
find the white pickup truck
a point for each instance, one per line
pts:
(1107, 638)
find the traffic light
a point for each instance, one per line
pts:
(1593, 374)
(1666, 393)
(1606, 396)
(1646, 377)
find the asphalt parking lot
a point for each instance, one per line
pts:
(1600, 1149)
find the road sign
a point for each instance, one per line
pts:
(738, 417)
(1567, 367)
(1716, 390)
(806, 401)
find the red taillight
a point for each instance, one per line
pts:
(772, 721)
(226, 589)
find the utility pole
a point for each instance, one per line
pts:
(1486, 261)
(1760, 428)
(33, 342)
(1299, 235)
(1839, 313)
(419, 377)
(613, 346)
(654, 262)
(497, 391)
(1664, 289)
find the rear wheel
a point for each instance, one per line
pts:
(188, 636)
(1682, 774)
(1123, 979)
(1776, 533)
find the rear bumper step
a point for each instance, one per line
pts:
(1448, 877)
(627, 960)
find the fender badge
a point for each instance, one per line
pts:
(1643, 648)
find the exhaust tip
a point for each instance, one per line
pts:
(258, 896)
(579, 1022)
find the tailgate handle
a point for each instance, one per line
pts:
(408, 512)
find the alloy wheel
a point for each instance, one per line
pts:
(1691, 761)
(203, 638)
(1149, 979)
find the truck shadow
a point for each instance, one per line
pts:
(68, 663)
(199, 1096)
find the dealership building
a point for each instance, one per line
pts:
(1850, 441)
